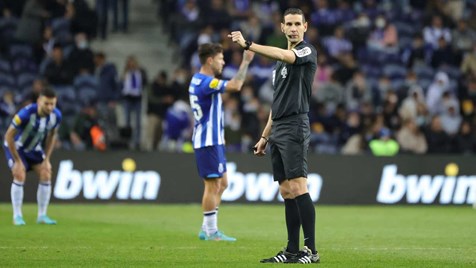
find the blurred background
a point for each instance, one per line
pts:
(394, 77)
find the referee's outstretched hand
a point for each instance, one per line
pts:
(238, 38)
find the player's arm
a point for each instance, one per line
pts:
(237, 81)
(274, 53)
(10, 139)
(18, 168)
(260, 146)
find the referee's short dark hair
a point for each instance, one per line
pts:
(208, 50)
(48, 92)
(294, 11)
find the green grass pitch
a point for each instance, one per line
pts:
(122, 235)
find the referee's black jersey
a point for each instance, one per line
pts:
(293, 82)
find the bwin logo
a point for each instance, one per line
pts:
(102, 184)
(451, 189)
(262, 187)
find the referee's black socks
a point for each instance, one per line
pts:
(308, 220)
(293, 223)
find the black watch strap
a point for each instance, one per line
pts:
(247, 45)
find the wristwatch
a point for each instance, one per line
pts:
(247, 45)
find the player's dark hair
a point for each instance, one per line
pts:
(48, 92)
(294, 11)
(208, 50)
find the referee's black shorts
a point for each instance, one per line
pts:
(289, 143)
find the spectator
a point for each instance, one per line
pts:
(160, 96)
(384, 37)
(232, 121)
(120, 11)
(443, 55)
(80, 136)
(59, 72)
(438, 140)
(82, 56)
(463, 37)
(417, 53)
(217, 15)
(250, 124)
(134, 81)
(324, 18)
(252, 28)
(179, 125)
(435, 92)
(433, 32)
(384, 145)
(411, 139)
(102, 10)
(359, 31)
(84, 19)
(30, 27)
(357, 92)
(468, 66)
(451, 121)
(106, 74)
(414, 107)
(331, 94)
(7, 109)
(323, 73)
(466, 139)
(337, 45)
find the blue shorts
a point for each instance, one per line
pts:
(29, 159)
(211, 161)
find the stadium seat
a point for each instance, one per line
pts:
(8, 26)
(424, 71)
(404, 41)
(7, 80)
(5, 66)
(397, 84)
(425, 83)
(87, 95)
(20, 50)
(452, 71)
(394, 71)
(86, 81)
(25, 79)
(61, 28)
(22, 64)
(371, 70)
(404, 29)
(65, 93)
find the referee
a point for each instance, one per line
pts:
(287, 132)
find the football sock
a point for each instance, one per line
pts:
(308, 220)
(210, 222)
(293, 224)
(43, 197)
(17, 197)
(204, 225)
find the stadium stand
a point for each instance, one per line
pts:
(376, 53)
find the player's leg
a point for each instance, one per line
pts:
(291, 211)
(224, 179)
(209, 204)
(16, 190)
(43, 194)
(212, 167)
(295, 159)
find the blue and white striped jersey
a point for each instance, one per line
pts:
(32, 129)
(207, 105)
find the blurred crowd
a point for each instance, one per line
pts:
(393, 77)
